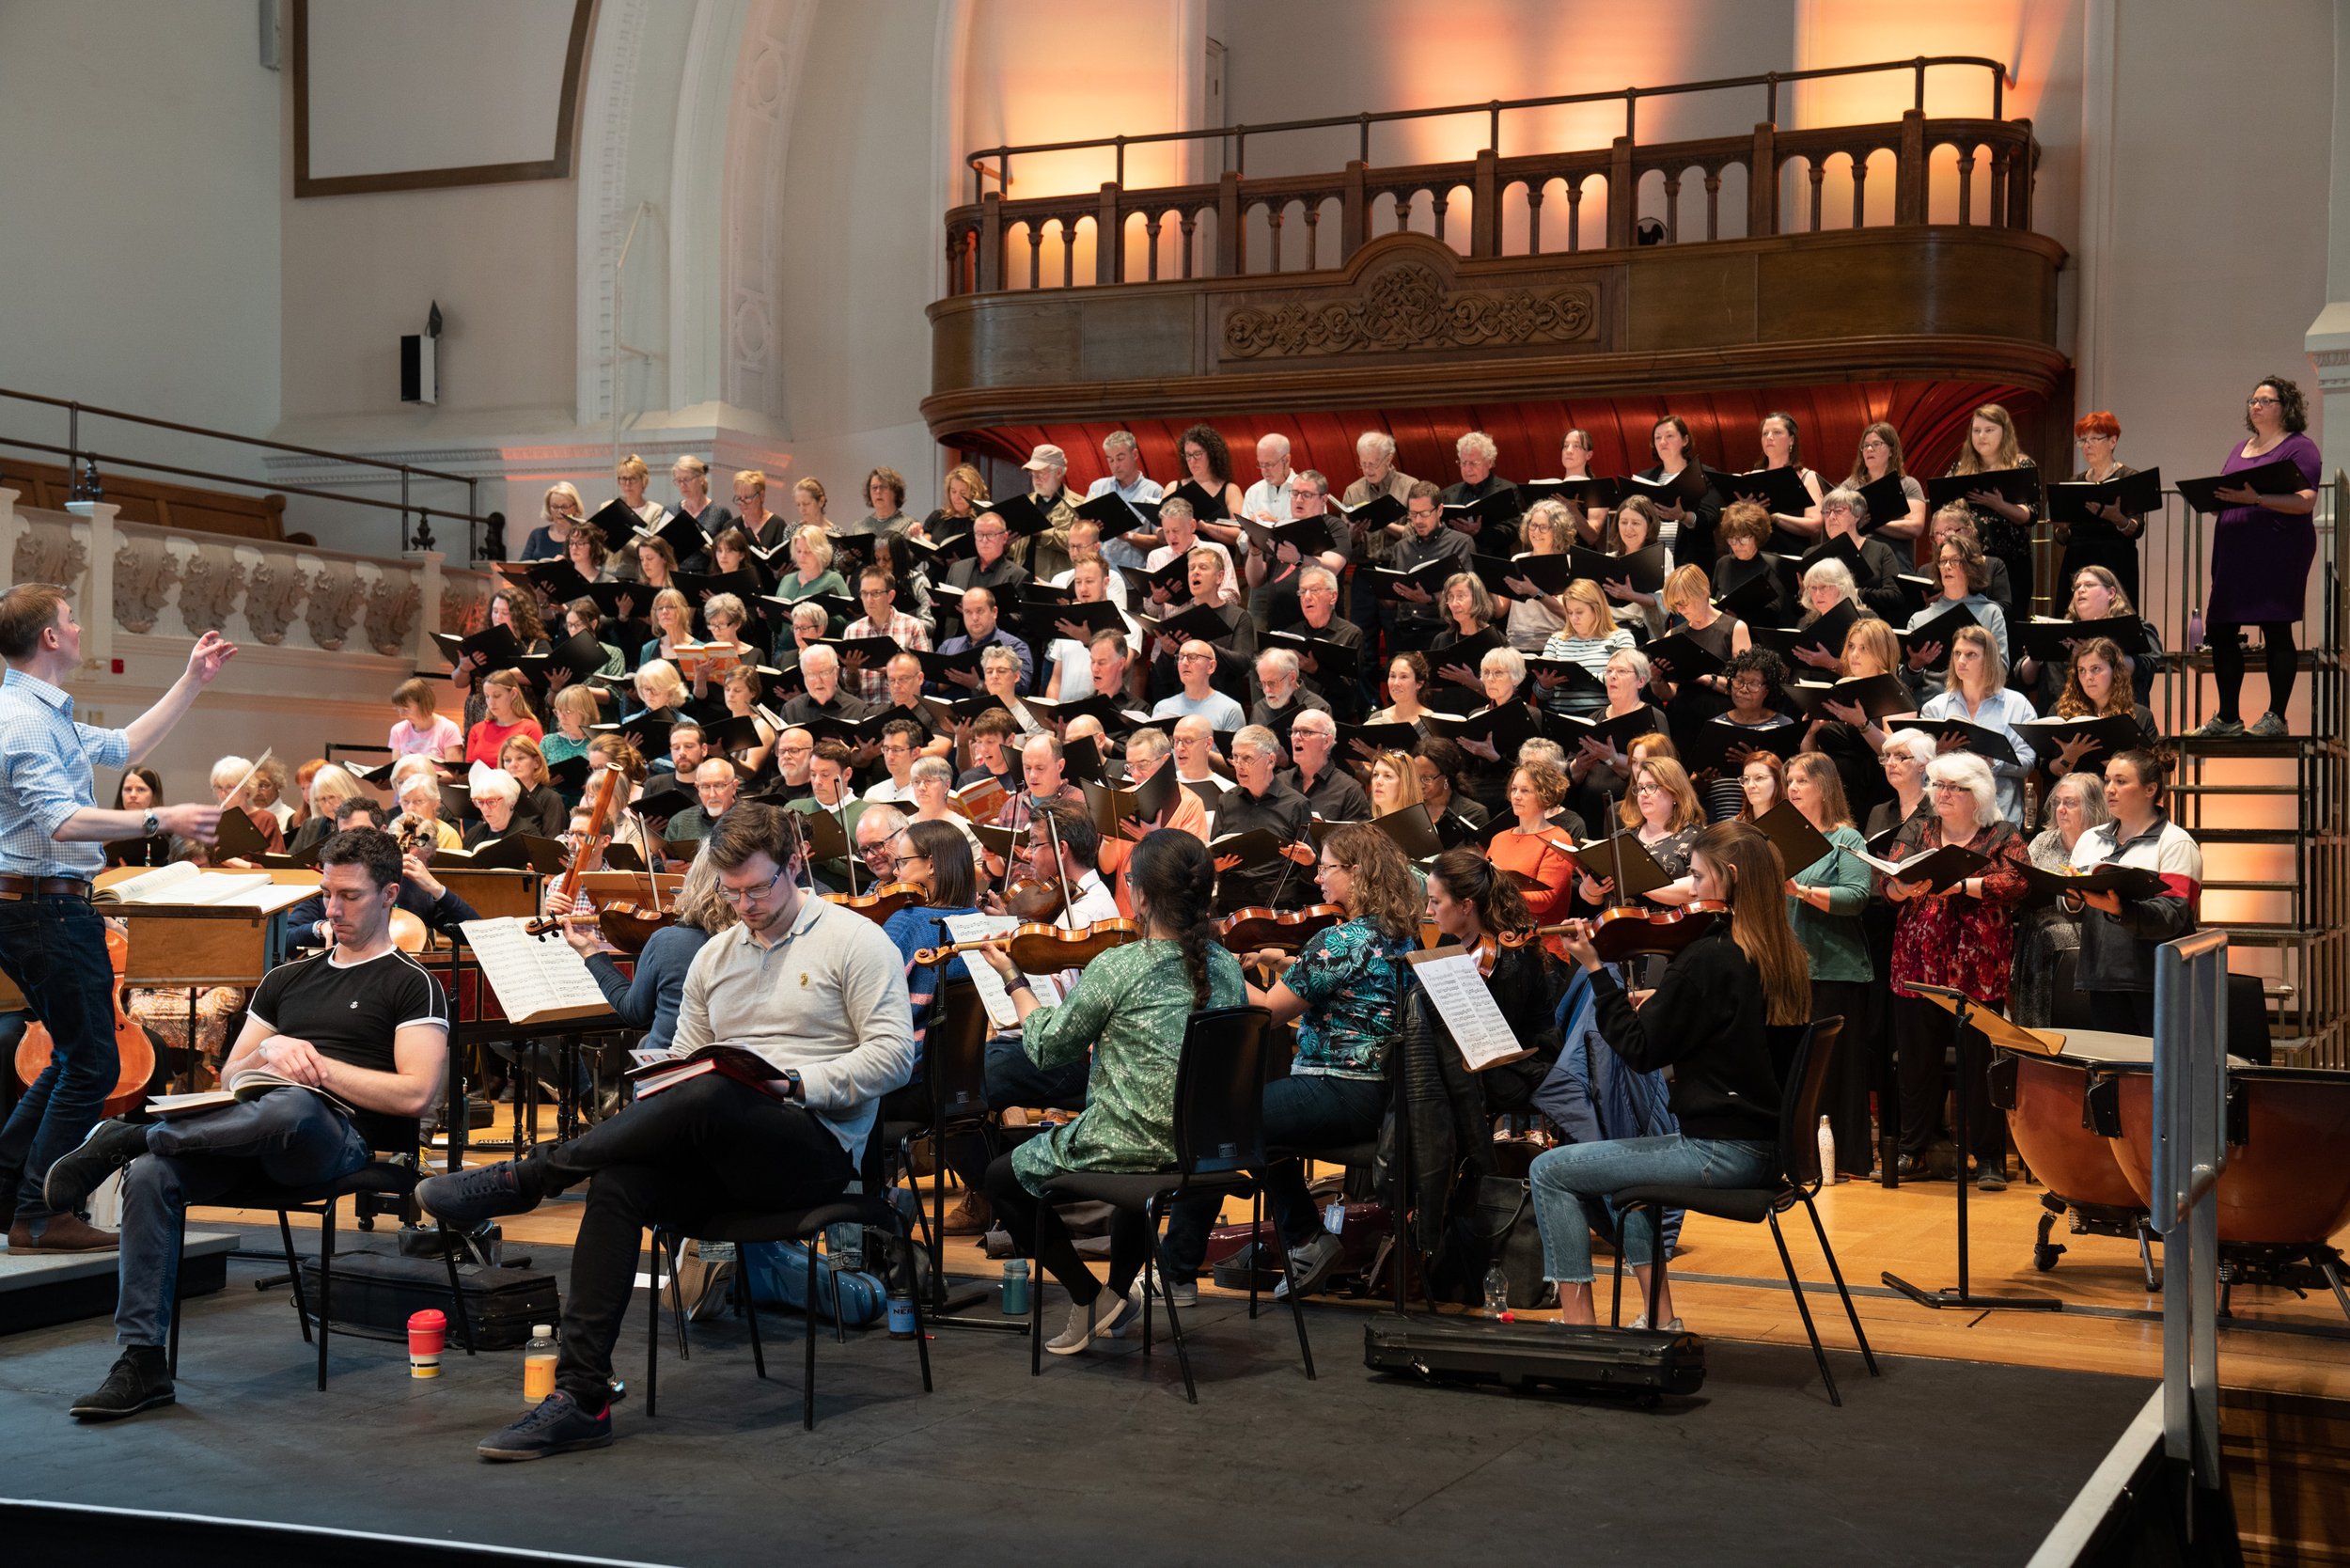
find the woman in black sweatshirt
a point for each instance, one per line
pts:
(1705, 1020)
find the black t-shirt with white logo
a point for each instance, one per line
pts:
(351, 1013)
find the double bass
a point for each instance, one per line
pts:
(136, 1052)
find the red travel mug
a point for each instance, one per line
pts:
(428, 1331)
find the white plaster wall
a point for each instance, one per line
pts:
(139, 157)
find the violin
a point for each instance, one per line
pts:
(135, 1051)
(1620, 933)
(1040, 949)
(1034, 899)
(1245, 931)
(882, 902)
(629, 926)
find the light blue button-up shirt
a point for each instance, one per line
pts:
(47, 763)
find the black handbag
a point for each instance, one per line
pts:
(1498, 1228)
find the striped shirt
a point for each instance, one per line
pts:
(1592, 653)
(46, 763)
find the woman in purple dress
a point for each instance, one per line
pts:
(2261, 549)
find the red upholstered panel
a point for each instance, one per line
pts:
(1931, 415)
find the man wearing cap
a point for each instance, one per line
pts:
(1048, 552)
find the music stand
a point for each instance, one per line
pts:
(1995, 1029)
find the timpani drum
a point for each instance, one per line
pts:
(2287, 1181)
(2048, 1100)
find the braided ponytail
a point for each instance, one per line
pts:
(1172, 878)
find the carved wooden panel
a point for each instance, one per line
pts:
(1409, 307)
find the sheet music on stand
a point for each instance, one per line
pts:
(985, 980)
(536, 981)
(1461, 997)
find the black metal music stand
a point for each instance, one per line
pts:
(1971, 1017)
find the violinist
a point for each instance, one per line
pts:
(1706, 1020)
(1122, 1025)
(1258, 799)
(1473, 905)
(648, 999)
(1342, 991)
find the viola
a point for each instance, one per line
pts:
(629, 926)
(882, 902)
(591, 844)
(1041, 948)
(1034, 899)
(1246, 930)
(133, 1050)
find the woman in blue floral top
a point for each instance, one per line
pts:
(1130, 1008)
(1341, 988)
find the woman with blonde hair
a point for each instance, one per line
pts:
(812, 575)
(1977, 692)
(631, 475)
(673, 624)
(964, 495)
(1394, 783)
(1534, 616)
(560, 510)
(506, 696)
(1661, 809)
(329, 788)
(1687, 601)
(1343, 989)
(1589, 638)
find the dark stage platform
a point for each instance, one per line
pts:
(1100, 1460)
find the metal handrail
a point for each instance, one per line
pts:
(1494, 109)
(2190, 1151)
(76, 454)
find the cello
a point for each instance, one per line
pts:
(135, 1051)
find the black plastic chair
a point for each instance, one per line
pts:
(870, 1208)
(1798, 1180)
(392, 1177)
(1219, 1151)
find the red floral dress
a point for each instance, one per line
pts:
(1951, 939)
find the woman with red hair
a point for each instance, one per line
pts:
(2111, 540)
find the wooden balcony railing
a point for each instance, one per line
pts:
(1209, 229)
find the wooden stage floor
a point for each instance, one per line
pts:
(1727, 1284)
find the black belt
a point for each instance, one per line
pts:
(14, 887)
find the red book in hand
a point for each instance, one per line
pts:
(746, 1066)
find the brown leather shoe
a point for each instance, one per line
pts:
(63, 1234)
(972, 1217)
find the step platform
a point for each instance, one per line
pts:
(39, 1289)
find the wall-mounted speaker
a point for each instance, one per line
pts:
(419, 370)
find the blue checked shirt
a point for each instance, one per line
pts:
(46, 763)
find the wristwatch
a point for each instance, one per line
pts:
(793, 1088)
(151, 825)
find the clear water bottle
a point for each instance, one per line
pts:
(538, 1363)
(1496, 1292)
(1828, 1150)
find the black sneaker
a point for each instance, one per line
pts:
(139, 1380)
(111, 1145)
(1990, 1178)
(468, 1200)
(557, 1426)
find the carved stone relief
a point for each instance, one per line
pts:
(144, 575)
(392, 607)
(336, 596)
(209, 583)
(1408, 306)
(273, 596)
(50, 553)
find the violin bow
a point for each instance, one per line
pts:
(1051, 835)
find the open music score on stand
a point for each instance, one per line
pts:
(536, 981)
(984, 980)
(1458, 993)
(1975, 1018)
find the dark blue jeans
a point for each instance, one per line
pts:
(1300, 1111)
(1013, 1079)
(55, 949)
(289, 1137)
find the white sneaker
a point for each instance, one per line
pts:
(1097, 1319)
(1671, 1327)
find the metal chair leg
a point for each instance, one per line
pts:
(326, 1286)
(179, 1251)
(653, 1331)
(1256, 1225)
(1867, 1355)
(1615, 1300)
(921, 1340)
(1152, 1216)
(808, 1392)
(1297, 1308)
(1819, 1353)
(749, 1307)
(677, 1294)
(1035, 1293)
(456, 1290)
(293, 1269)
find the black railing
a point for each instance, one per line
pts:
(77, 456)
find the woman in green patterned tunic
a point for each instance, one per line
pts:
(1130, 1008)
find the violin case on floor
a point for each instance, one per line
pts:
(1642, 1363)
(375, 1293)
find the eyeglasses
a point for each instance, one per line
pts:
(1944, 787)
(739, 895)
(2260, 402)
(1648, 788)
(899, 862)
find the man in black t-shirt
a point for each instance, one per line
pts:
(359, 1036)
